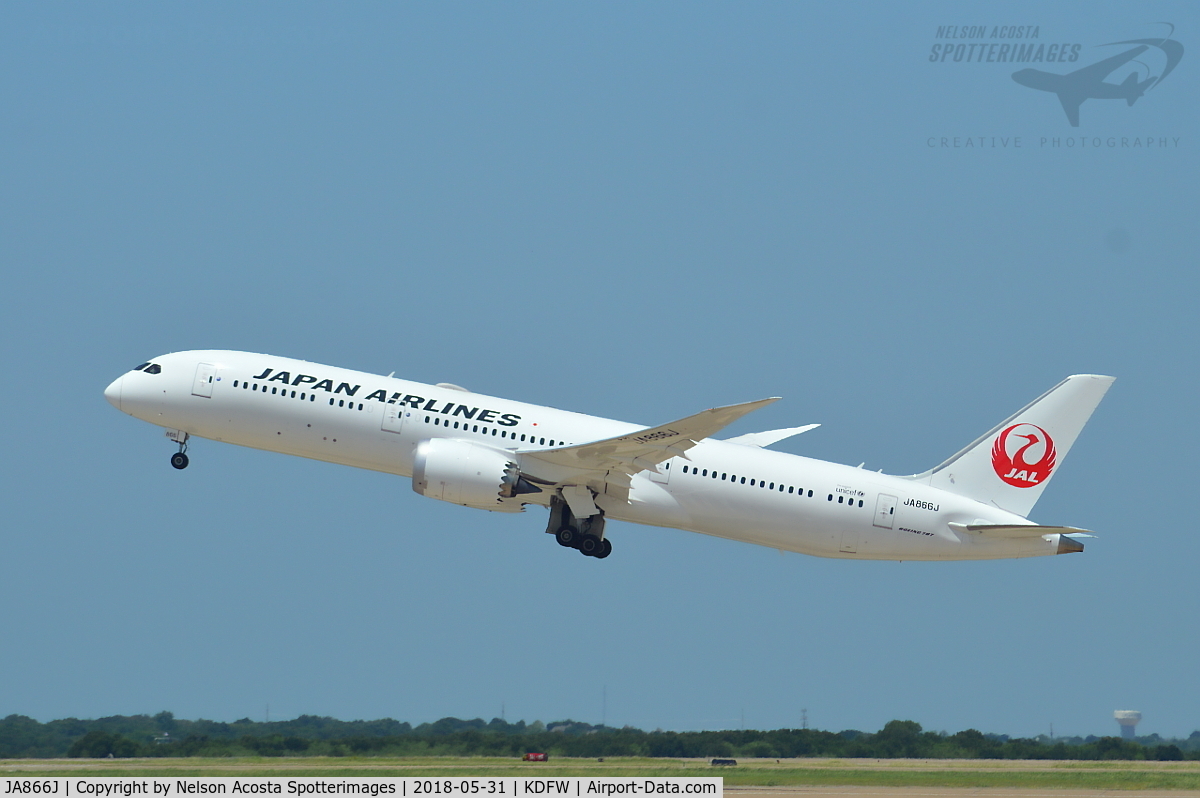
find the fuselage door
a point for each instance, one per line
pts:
(204, 380)
(885, 511)
(393, 417)
(664, 473)
(849, 541)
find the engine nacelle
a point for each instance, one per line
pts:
(461, 472)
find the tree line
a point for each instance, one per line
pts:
(163, 735)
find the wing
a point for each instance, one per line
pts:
(1071, 106)
(761, 439)
(605, 466)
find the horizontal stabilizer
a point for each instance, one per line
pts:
(761, 439)
(1018, 530)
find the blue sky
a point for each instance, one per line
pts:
(635, 211)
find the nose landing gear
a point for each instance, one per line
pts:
(179, 460)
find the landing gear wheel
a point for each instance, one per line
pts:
(590, 545)
(605, 549)
(567, 536)
(179, 460)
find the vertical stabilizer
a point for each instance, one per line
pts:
(1010, 466)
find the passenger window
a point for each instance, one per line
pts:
(302, 396)
(543, 442)
(341, 402)
(360, 405)
(790, 488)
(235, 383)
(722, 477)
(772, 486)
(743, 480)
(522, 437)
(456, 425)
(831, 497)
(860, 502)
(840, 499)
(426, 419)
(293, 394)
(810, 494)
(493, 430)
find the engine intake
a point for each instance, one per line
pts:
(461, 472)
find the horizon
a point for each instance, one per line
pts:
(549, 725)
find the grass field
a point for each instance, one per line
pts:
(959, 773)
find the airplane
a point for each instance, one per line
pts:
(1088, 83)
(501, 455)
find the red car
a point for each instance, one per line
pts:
(535, 758)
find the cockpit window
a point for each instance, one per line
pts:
(139, 368)
(154, 368)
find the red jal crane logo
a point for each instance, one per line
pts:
(1016, 469)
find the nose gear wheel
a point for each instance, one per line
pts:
(179, 460)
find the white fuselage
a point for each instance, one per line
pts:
(718, 488)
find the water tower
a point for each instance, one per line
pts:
(1128, 718)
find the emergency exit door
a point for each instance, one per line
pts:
(885, 511)
(393, 417)
(663, 475)
(204, 380)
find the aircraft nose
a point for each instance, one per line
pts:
(113, 392)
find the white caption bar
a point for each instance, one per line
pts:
(476, 786)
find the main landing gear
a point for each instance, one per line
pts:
(585, 534)
(179, 460)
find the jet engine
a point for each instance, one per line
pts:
(461, 472)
